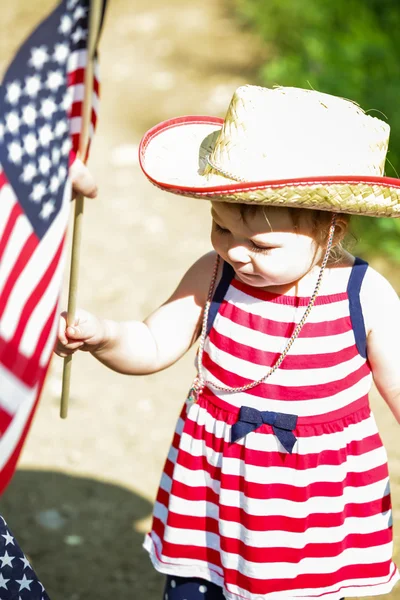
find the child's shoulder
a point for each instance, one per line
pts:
(206, 262)
(196, 281)
(378, 298)
(376, 285)
(202, 270)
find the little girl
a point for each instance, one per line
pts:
(276, 484)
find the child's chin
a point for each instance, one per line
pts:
(254, 280)
(258, 281)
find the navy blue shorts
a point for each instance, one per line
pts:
(192, 588)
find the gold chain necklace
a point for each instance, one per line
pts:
(200, 382)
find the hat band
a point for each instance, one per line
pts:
(225, 173)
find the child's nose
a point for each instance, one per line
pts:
(238, 254)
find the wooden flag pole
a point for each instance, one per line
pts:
(95, 15)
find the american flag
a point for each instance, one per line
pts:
(17, 577)
(41, 100)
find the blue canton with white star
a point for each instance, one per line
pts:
(34, 124)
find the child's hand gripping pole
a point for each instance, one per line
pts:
(95, 17)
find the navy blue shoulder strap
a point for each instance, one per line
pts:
(353, 291)
(219, 294)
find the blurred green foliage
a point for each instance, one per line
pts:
(349, 48)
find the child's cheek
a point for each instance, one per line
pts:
(267, 264)
(214, 242)
(274, 265)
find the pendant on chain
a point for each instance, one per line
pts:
(194, 392)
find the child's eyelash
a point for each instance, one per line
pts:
(259, 249)
(221, 229)
(254, 247)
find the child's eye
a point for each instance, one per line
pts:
(221, 229)
(261, 249)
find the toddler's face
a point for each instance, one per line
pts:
(265, 248)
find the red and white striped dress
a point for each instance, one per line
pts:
(251, 517)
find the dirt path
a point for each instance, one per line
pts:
(82, 497)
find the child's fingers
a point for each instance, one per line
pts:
(80, 335)
(79, 331)
(62, 326)
(64, 350)
(82, 180)
(69, 338)
(74, 332)
(74, 345)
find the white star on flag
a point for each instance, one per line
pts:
(3, 582)
(56, 155)
(12, 122)
(79, 13)
(45, 135)
(32, 86)
(67, 101)
(30, 144)
(61, 53)
(61, 129)
(54, 184)
(39, 190)
(48, 108)
(27, 565)
(44, 164)
(66, 24)
(54, 80)
(13, 92)
(24, 583)
(6, 560)
(15, 153)
(79, 35)
(28, 173)
(8, 538)
(29, 114)
(47, 209)
(39, 56)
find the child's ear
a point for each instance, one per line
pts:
(342, 225)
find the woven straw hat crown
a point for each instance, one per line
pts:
(289, 132)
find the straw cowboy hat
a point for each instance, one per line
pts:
(280, 147)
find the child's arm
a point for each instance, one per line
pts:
(139, 348)
(381, 308)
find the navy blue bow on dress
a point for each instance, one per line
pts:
(251, 419)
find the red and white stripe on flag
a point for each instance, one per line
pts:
(31, 272)
(76, 82)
